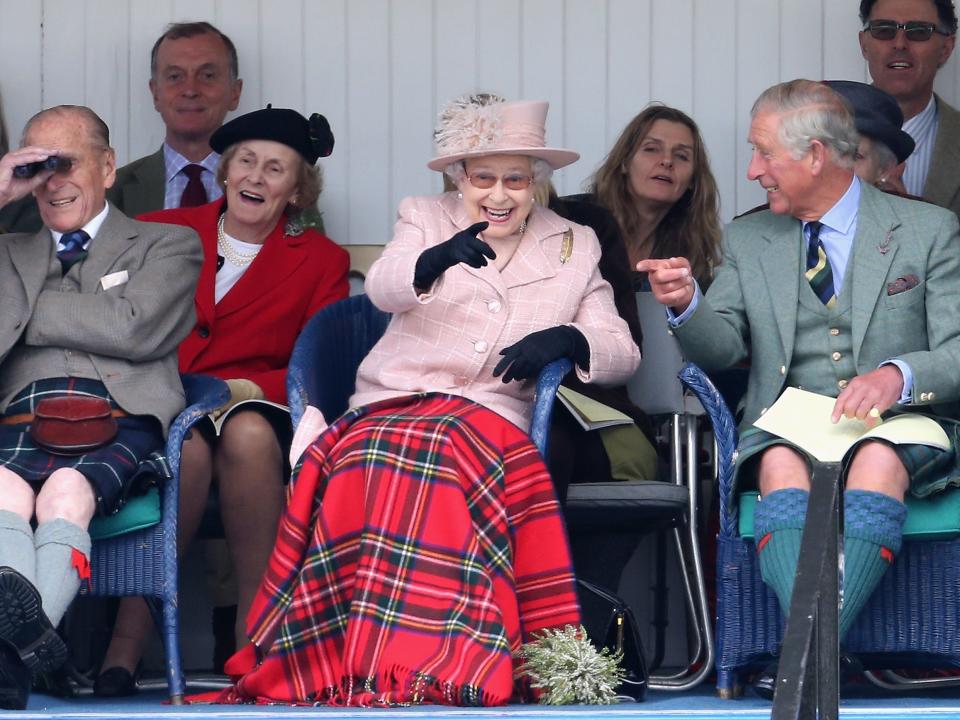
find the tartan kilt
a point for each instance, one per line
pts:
(421, 544)
(930, 469)
(132, 460)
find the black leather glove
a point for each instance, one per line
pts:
(525, 359)
(464, 247)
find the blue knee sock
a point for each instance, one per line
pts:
(872, 535)
(778, 527)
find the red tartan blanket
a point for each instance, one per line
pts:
(421, 544)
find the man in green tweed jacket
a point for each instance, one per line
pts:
(842, 290)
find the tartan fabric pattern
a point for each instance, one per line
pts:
(930, 469)
(135, 456)
(819, 273)
(422, 542)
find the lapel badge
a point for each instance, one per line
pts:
(884, 245)
(293, 227)
(566, 246)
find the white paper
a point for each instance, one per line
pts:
(803, 418)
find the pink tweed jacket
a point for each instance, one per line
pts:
(449, 340)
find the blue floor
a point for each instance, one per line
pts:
(696, 704)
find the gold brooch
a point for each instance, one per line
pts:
(566, 246)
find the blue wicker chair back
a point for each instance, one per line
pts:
(144, 562)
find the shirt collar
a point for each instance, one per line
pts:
(174, 162)
(923, 118)
(91, 228)
(842, 215)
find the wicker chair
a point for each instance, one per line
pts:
(143, 562)
(323, 373)
(910, 621)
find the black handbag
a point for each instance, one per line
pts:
(610, 624)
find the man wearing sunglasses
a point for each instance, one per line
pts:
(905, 42)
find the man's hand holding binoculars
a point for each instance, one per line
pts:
(24, 169)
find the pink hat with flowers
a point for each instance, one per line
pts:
(471, 127)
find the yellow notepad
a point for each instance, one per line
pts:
(803, 418)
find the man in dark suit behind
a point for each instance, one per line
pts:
(905, 43)
(194, 82)
(94, 306)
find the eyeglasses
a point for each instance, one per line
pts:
(485, 181)
(915, 30)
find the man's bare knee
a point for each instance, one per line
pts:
(16, 495)
(781, 467)
(875, 466)
(66, 494)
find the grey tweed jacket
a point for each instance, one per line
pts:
(131, 330)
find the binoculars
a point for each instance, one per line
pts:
(54, 162)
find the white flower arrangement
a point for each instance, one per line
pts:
(569, 670)
(468, 123)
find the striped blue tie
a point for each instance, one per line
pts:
(71, 250)
(818, 267)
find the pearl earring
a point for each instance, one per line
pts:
(459, 196)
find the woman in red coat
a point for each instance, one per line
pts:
(262, 279)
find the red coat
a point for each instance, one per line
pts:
(250, 333)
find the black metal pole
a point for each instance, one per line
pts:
(808, 682)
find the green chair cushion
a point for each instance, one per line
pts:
(932, 518)
(139, 512)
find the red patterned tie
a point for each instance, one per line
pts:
(194, 193)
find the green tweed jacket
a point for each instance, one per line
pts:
(139, 187)
(751, 307)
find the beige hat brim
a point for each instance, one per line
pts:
(554, 157)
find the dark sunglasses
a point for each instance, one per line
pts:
(485, 181)
(915, 30)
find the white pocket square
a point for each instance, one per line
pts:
(114, 279)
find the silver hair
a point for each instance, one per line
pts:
(811, 111)
(541, 170)
(884, 159)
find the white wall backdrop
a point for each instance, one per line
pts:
(379, 70)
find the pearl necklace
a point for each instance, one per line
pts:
(229, 252)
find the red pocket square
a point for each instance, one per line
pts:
(902, 284)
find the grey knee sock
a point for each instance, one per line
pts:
(63, 552)
(16, 545)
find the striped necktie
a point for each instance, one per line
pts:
(818, 272)
(71, 250)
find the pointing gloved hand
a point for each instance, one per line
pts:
(464, 247)
(525, 359)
